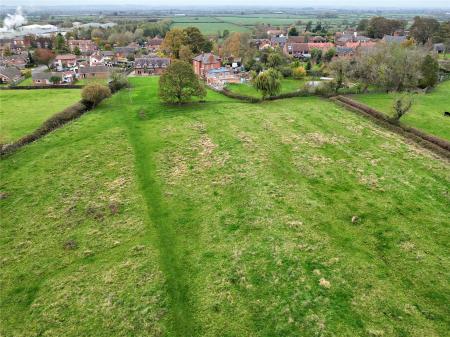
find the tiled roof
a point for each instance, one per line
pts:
(10, 72)
(151, 62)
(94, 69)
(207, 58)
(65, 57)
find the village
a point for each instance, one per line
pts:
(55, 58)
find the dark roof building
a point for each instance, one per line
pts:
(394, 38)
(150, 65)
(9, 74)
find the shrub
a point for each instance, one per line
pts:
(401, 106)
(286, 71)
(94, 93)
(118, 81)
(299, 73)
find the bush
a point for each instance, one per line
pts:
(94, 93)
(286, 71)
(299, 73)
(118, 81)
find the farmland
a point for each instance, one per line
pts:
(22, 111)
(426, 114)
(223, 219)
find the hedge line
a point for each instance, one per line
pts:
(50, 86)
(436, 144)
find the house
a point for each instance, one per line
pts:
(9, 74)
(65, 61)
(101, 59)
(150, 65)
(122, 53)
(296, 49)
(355, 45)
(324, 46)
(344, 51)
(394, 38)
(85, 46)
(43, 78)
(20, 44)
(274, 33)
(278, 41)
(153, 45)
(204, 63)
(18, 61)
(220, 76)
(94, 72)
(297, 39)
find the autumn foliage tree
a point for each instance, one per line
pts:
(43, 56)
(179, 84)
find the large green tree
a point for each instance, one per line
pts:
(430, 72)
(179, 84)
(379, 26)
(423, 29)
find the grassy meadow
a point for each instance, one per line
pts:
(223, 219)
(287, 85)
(427, 112)
(22, 111)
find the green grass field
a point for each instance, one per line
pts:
(27, 81)
(223, 219)
(22, 111)
(427, 112)
(287, 85)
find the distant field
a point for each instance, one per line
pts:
(427, 112)
(287, 85)
(223, 219)
(22, 111)
(211, 28)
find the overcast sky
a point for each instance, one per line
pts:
(284, 3)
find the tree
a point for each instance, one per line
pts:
(401, 106)
(178, 84)
(196, 41)
(379, 26)
(44, 56)
(293, 32)
(430, 72)
(363, 25)
(186, 54)
(275, 60)
(94, 93)
(329, 54)
(60, 43)
(316, 55)
(237, 45)
(175, 38)
(308, 66)
(308, 26)
(268, 82)
(225, 33)
(54, 79)
(423, 29)
(77, 51)
(339, 69)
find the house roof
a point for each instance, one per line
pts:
(45, 75)
(279, 39)
(298, 47)
(297, 39)
(344, 50)
(151, 62)
(94, 69)
(156, 41)
(439, 47)
(207, 58)
(65, 57)
(10, 72)
(394, 38)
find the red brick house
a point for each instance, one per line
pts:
(153, 45)
(204, 63)
(85, 46)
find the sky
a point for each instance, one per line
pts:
(240, 3)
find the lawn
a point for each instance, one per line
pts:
(427, 112)
(223, 219)
(287, 85)
(27, 81)
(22, 111)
